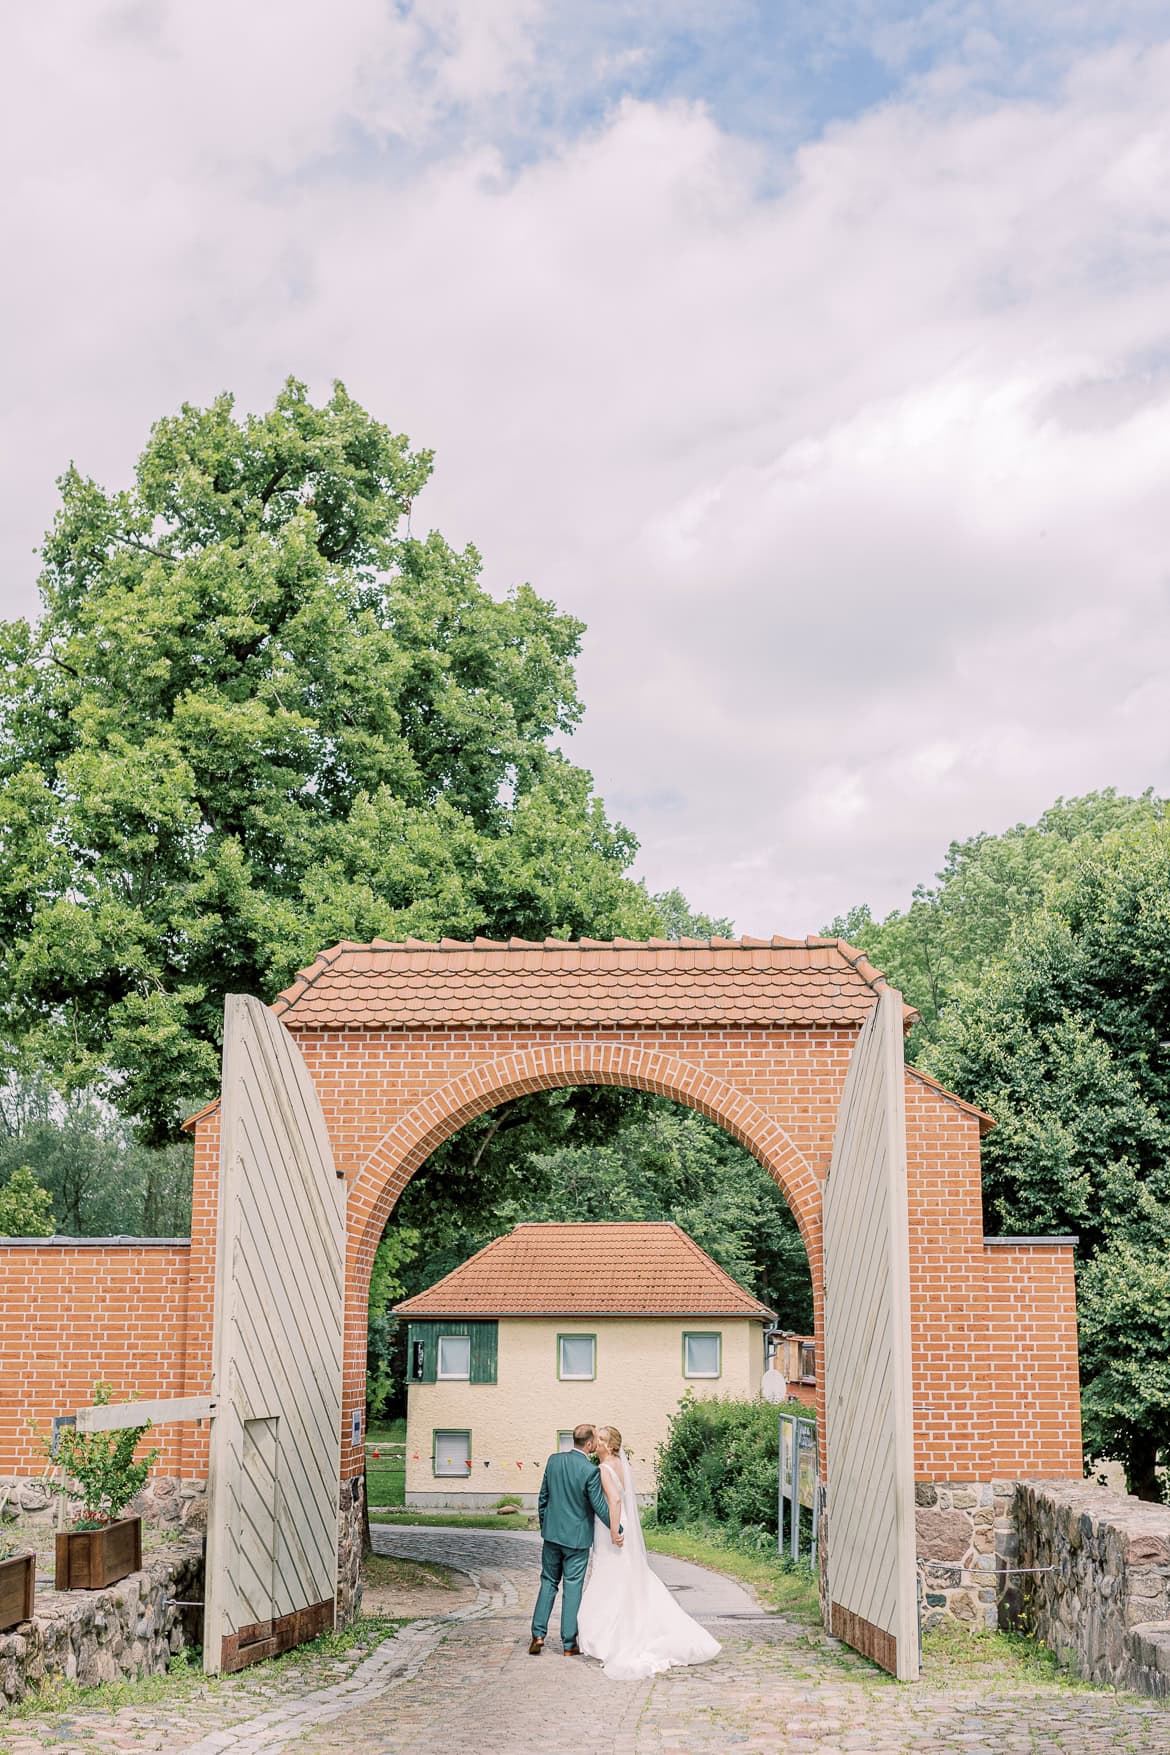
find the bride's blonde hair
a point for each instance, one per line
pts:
(613, 1439)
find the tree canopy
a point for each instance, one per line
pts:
(257, 716)
(1038, 963)
(1066, 1041)
(953, 930)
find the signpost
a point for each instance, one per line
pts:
(797, 1459)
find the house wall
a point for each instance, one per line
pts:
(514, 1422)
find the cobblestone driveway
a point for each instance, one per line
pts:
(466, 1685)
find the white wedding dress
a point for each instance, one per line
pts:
(628, 1618)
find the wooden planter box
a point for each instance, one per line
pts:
(18, 1577)
(91, 1559)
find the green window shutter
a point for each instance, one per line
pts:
(484, 1351)
(484, 1348)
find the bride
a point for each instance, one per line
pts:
(628, 1618)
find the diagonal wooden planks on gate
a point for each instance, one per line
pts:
(277, 1352)
(871, 1573)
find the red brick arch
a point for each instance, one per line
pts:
(407, 1145)
(417, 1134)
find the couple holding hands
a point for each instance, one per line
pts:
(626, 1617)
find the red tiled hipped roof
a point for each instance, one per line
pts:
(587, 1270)
(696, 983)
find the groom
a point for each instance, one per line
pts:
(570, 1496)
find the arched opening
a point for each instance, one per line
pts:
(637, 1140)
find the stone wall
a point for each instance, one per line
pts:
(351, 1530)
(1104, 1607)
(960, 1528)
(166, 1501)
(128, 1631)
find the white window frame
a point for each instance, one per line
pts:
(461, 1472)
(442, 1376)
(576, 1376)
(561, 1436)
(703, 1335)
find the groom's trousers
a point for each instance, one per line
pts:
(560, 1566)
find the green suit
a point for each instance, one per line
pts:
(570, 1496)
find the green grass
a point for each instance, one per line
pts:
(449, 1520)
(789, 1590)
(952, 1653)
(385, 1480)
(386, 1432)
(387, 1569)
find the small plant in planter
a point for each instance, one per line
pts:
(17, 1579)
(102, 1545)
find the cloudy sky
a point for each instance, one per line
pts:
(817, 356)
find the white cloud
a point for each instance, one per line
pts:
(854, 465)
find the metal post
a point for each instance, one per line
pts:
(816, 1504)
(794, 1546)
(780, 1484)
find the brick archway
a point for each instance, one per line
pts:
(408, 1144)
(407, 1042)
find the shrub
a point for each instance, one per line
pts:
(26, 1209)
(719, 1465)
(104, 1466)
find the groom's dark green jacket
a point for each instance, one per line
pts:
(570, 1493)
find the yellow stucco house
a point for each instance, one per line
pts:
(554, 1324)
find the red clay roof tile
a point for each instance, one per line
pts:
(784, 983)
(588, 1270)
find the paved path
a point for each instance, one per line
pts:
(701, 1593)
(464, 1684)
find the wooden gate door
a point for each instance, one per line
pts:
(277, 1353)
(869, 1431)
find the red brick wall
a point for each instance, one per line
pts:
(391, 1096)
(79, 1312)
(1032, 1411)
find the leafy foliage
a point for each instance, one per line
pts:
(103, 1465)
(398, 1247)
(255, 718)
(1124, 1312)
(26, 1209)
(718, 1465)
(988, 884)
(1067, 1042)
(102, 1181)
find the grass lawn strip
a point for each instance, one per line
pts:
(789, 1592)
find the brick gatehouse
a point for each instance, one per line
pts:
(407, 1042)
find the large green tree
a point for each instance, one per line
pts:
(1066, 1041)
(955, 927)
(256, 716)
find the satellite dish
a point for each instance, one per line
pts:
(774, 1387)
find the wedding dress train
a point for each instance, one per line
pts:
(628, 1618)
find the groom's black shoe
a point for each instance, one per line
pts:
(573, 1650)
(536, 1646)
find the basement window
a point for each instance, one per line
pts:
(451, 1454)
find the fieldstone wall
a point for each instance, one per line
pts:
(350, 1538)
(165, 1501)
(1102, 1602)
(960, 1528)
(128, 1631)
